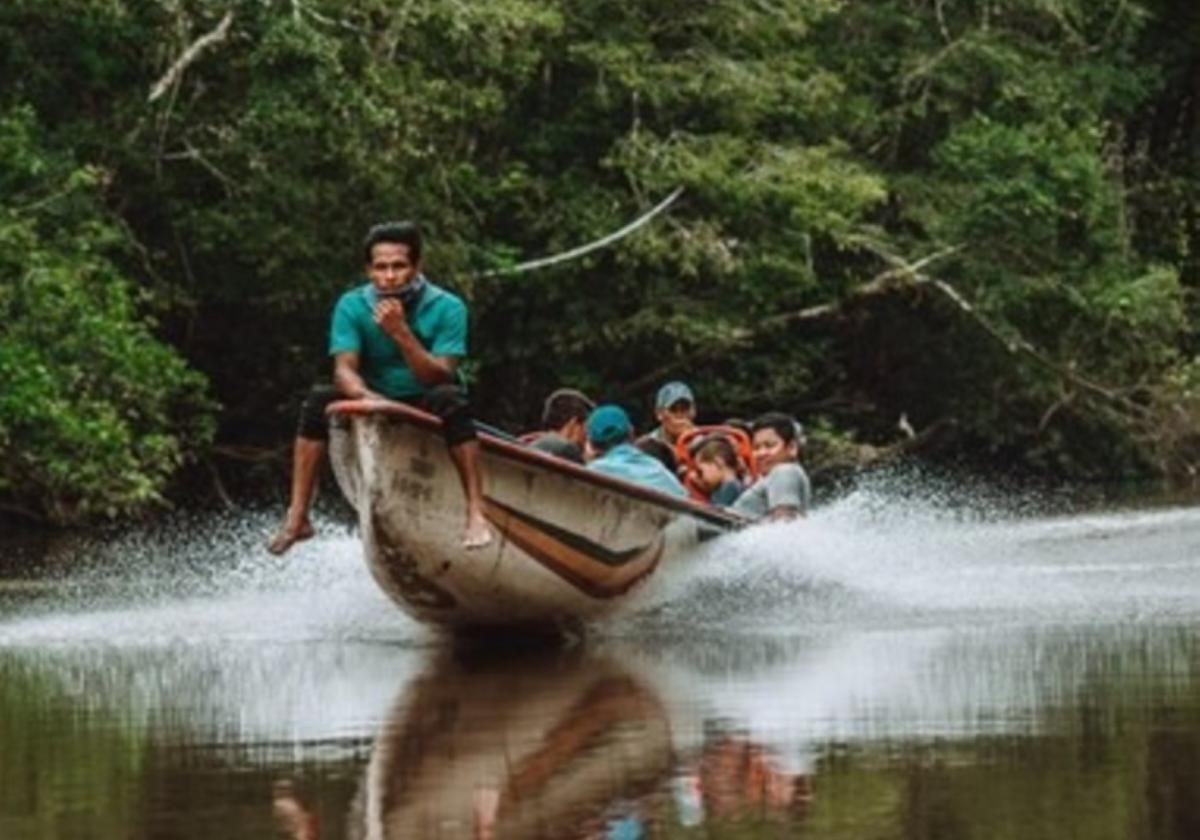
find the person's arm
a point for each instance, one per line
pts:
(348, 380)
(345, 345)
(429, 369)
(787, 492)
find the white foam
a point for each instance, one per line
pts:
(862, 561)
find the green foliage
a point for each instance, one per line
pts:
(1051, 144)
(95, 414)
(1002, 131)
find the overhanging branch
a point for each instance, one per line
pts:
(903, 275)
(582, 250)
(175, 71)
(1013, 343)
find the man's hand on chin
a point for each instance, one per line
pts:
(390, 316)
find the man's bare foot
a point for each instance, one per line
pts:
(486, 805)
(297, 820)
(289, 535)
(478, 534)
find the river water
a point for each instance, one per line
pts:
(895, 666)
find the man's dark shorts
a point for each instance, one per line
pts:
(449, 402)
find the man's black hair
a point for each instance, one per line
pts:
(783, 424)
(740, 424)
(563, 406)
(657, 449)
(398, 233)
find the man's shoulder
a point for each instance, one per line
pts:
(355, 296)
(553, 443)
(616, 458)
(649, 465)
(788, 472)
(442, 297)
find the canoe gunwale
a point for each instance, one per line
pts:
(497, 445)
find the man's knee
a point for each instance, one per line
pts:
(314, 422)
(450, 403)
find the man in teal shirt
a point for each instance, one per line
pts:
(611, 451)
(397, 337)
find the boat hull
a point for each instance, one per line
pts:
(570, 545)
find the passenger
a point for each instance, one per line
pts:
(741, 425)
(564, 419)
(783, 491)
(716, 471)
(675, 408)
(657, 449)
(610, 450)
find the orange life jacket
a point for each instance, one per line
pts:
(691, 440)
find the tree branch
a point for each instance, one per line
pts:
(189, 55)
(582, 250)
(195, 155)
(903, 275)
(218, 485)
(23, 512)
(251, 454)
(299, 9)
(941, 20)
(1014, 343)
(880, 284)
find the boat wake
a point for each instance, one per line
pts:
(888, 555)
(866, 615)
(881, 557)
(208, 581)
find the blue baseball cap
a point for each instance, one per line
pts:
(672, 393)
(608, 425)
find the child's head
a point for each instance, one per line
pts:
(715, 462)
(777, 439)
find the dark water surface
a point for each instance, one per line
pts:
(883, 670)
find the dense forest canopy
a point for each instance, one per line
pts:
(980, 216)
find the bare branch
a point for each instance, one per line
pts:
(904, 275)
(23, 512)
(941, 20)
(195, 155)
(1050, 412)
(1013, 343)
(252, 454)
(582, 250)
(299, 8)
(218, 485)
(930, 64)
(173, 74)
(879, 284)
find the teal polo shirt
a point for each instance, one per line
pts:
(439, 323)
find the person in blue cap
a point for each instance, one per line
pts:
(675, 409)
(610, 450)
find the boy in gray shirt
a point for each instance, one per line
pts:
(783, 491)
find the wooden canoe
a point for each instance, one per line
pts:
(570, 546)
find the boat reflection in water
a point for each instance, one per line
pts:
(565, 746)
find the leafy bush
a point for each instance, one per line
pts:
(96, 414)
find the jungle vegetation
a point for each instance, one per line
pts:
(974, 220)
